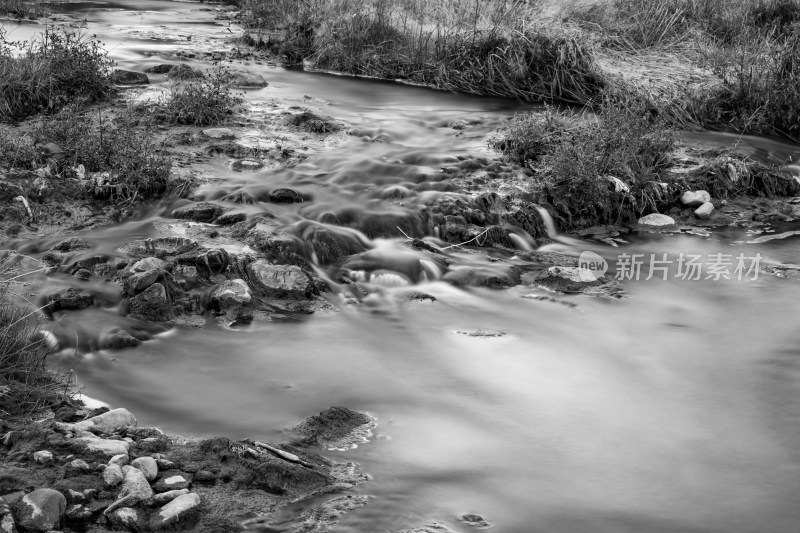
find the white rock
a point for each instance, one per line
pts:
(166, 497)
(112, 475)
(704, 211)
(177, 511)
(44, 457)
(108, 422)
(80, 464)
(656, 219)
(121, 460)
(148, 467)
(695, 198)
(109, 447)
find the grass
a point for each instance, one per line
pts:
(121, 159)
(24, 9)
(54, 70)
(27, 386)
(606, 169)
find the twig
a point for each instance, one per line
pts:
(292, 458)
(404, 233)
(465, 242)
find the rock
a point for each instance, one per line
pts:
(41, 510)
(72, 244)
(151, 304)
(180, 514)
(148, 264)
(148, 467)
(231, 294)
(573, 280)
(247, 80)
(169, 483)
(129, 77)
(7, 524)
(280, 281)
(112, 475)
(44, 457)
(285, 196)
(107, 447)
(234, 217)
(161, 247)
(139, 281)
(160, 69)
(127, 518)
(135, 489)
(199, 212)
(68, 300)
(475, 520)
(166, 497)
(704, 211)
(117, 339)
(184, 72)
(108, 422)
(205, 476)
(121, 460)
(76, 467)
(219, 133)
(78, 515)
(73, 496)
(695, 198)
(337, 428)
(656, 219)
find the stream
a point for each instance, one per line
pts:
(673, 409)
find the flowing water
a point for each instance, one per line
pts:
(674, 409)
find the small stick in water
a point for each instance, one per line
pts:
(284, 455)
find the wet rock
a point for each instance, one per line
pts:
(285, 196)
(148, 467)
(68, 300)
(129, 77)
(41, 510)
(280, 281)
(44, 457)
(180, 514)
(159, 69)
(572, 280)
(160, 248)
(336, 428)
(148, 264)
(704, 211)
(480, 333)
(478, 277)
(330, 244)
(172, 482)
(108, 422)
(247, 80)
(152, 304)
(228, 219)
(199, 212)
(107, 447)
(183, 72)
(127, 518)
(118, 339)
(313, 123)
(695, 198)
(475, 520)
(656, 220)
(232, 297)
(325, 515)
(247, 165)
(278, 247)
(166, 497)
(112, 475)
(72, 244)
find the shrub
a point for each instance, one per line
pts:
(58, 68)
(203, 101)
(23, 9)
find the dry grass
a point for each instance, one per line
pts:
(27, 386)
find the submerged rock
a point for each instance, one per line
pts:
(68, 300)
(571, 280)
(336, 428)
(285, 196)
(199, 212)
(152, 304)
